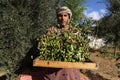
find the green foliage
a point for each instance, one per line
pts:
(20, 23)
(13, 38)
(63, 46)
(109, 25)
(113, 6)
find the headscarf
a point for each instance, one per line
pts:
(64, 9)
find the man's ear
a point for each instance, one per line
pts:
(69, 17)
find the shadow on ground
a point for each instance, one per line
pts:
(3, 77)
(92, 76)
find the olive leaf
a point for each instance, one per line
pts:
(66, 45)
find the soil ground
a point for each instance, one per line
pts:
(107, 68)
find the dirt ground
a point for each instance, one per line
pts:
(107, 68)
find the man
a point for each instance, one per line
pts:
(64, 15)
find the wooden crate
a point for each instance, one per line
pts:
(58, 64)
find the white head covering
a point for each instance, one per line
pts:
(64, 9)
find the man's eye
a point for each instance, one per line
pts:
(65, 15)
(59, 15)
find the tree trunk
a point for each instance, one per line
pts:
(115, 48)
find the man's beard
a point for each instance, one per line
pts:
(64, 24)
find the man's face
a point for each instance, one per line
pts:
(63, 19)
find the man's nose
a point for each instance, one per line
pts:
(63, 17)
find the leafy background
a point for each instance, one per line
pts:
(21, 22)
